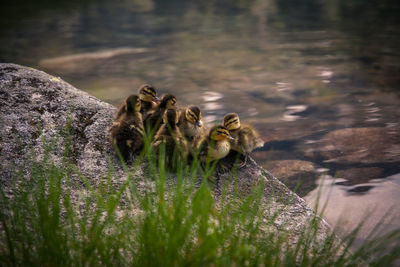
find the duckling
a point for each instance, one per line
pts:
(169, 134)
(154, 117)
(190, 123)
(126, 132)
(148, 99)
(216, 145)
(245, 137)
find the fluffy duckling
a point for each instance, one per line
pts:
(245, 137)
(190, 123)
(169, 134)
(148, 99)
(216, 145)
(126, 132)
(155, 117)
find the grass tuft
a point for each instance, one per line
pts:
(55, 216)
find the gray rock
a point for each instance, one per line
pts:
(36, 106)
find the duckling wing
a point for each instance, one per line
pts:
(146, 108)
(113, 127)
(175, 150)
(127, 136)
(184, 125)
(164, 140)
(195, 142)
(181, 118)
(203, 148)
(249, 139)
(244, 141)
(134, 133)
(153, 120)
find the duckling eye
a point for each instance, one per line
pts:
(148, 92)
(230, 122)
(192, 115)
(222, 132)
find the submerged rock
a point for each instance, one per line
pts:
(298, 175)
(358, 145)
(35, 106)
(355, 176)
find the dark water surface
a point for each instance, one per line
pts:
(320, 80)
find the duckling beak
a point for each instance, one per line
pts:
(156, 100)
(230, 137)
(199, 123)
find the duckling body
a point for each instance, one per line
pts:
(170, 136)
(219, 150)
(126, 132)
(245, 137)
(216, 145)
(154, 118)
(190, 123)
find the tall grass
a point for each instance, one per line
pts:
(55, 216)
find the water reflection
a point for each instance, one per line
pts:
(70, 62)
(211, 96)
(347, 207)
(326, 74)
(211, 106)
(292, 112)
(318, 85)
(281, 86)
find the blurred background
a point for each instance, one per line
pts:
(319, 79)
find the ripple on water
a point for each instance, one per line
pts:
(210, 96)
(210, 118)
(212, 106)
(326, 74)
(289, 115)
(283, 86)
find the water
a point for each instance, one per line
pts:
(319, 79)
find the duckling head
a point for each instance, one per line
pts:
(170, 117)
(168, 101)
(147, 93)
(132, 104)
(193, 115)
(231, 121)
(219, 133)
